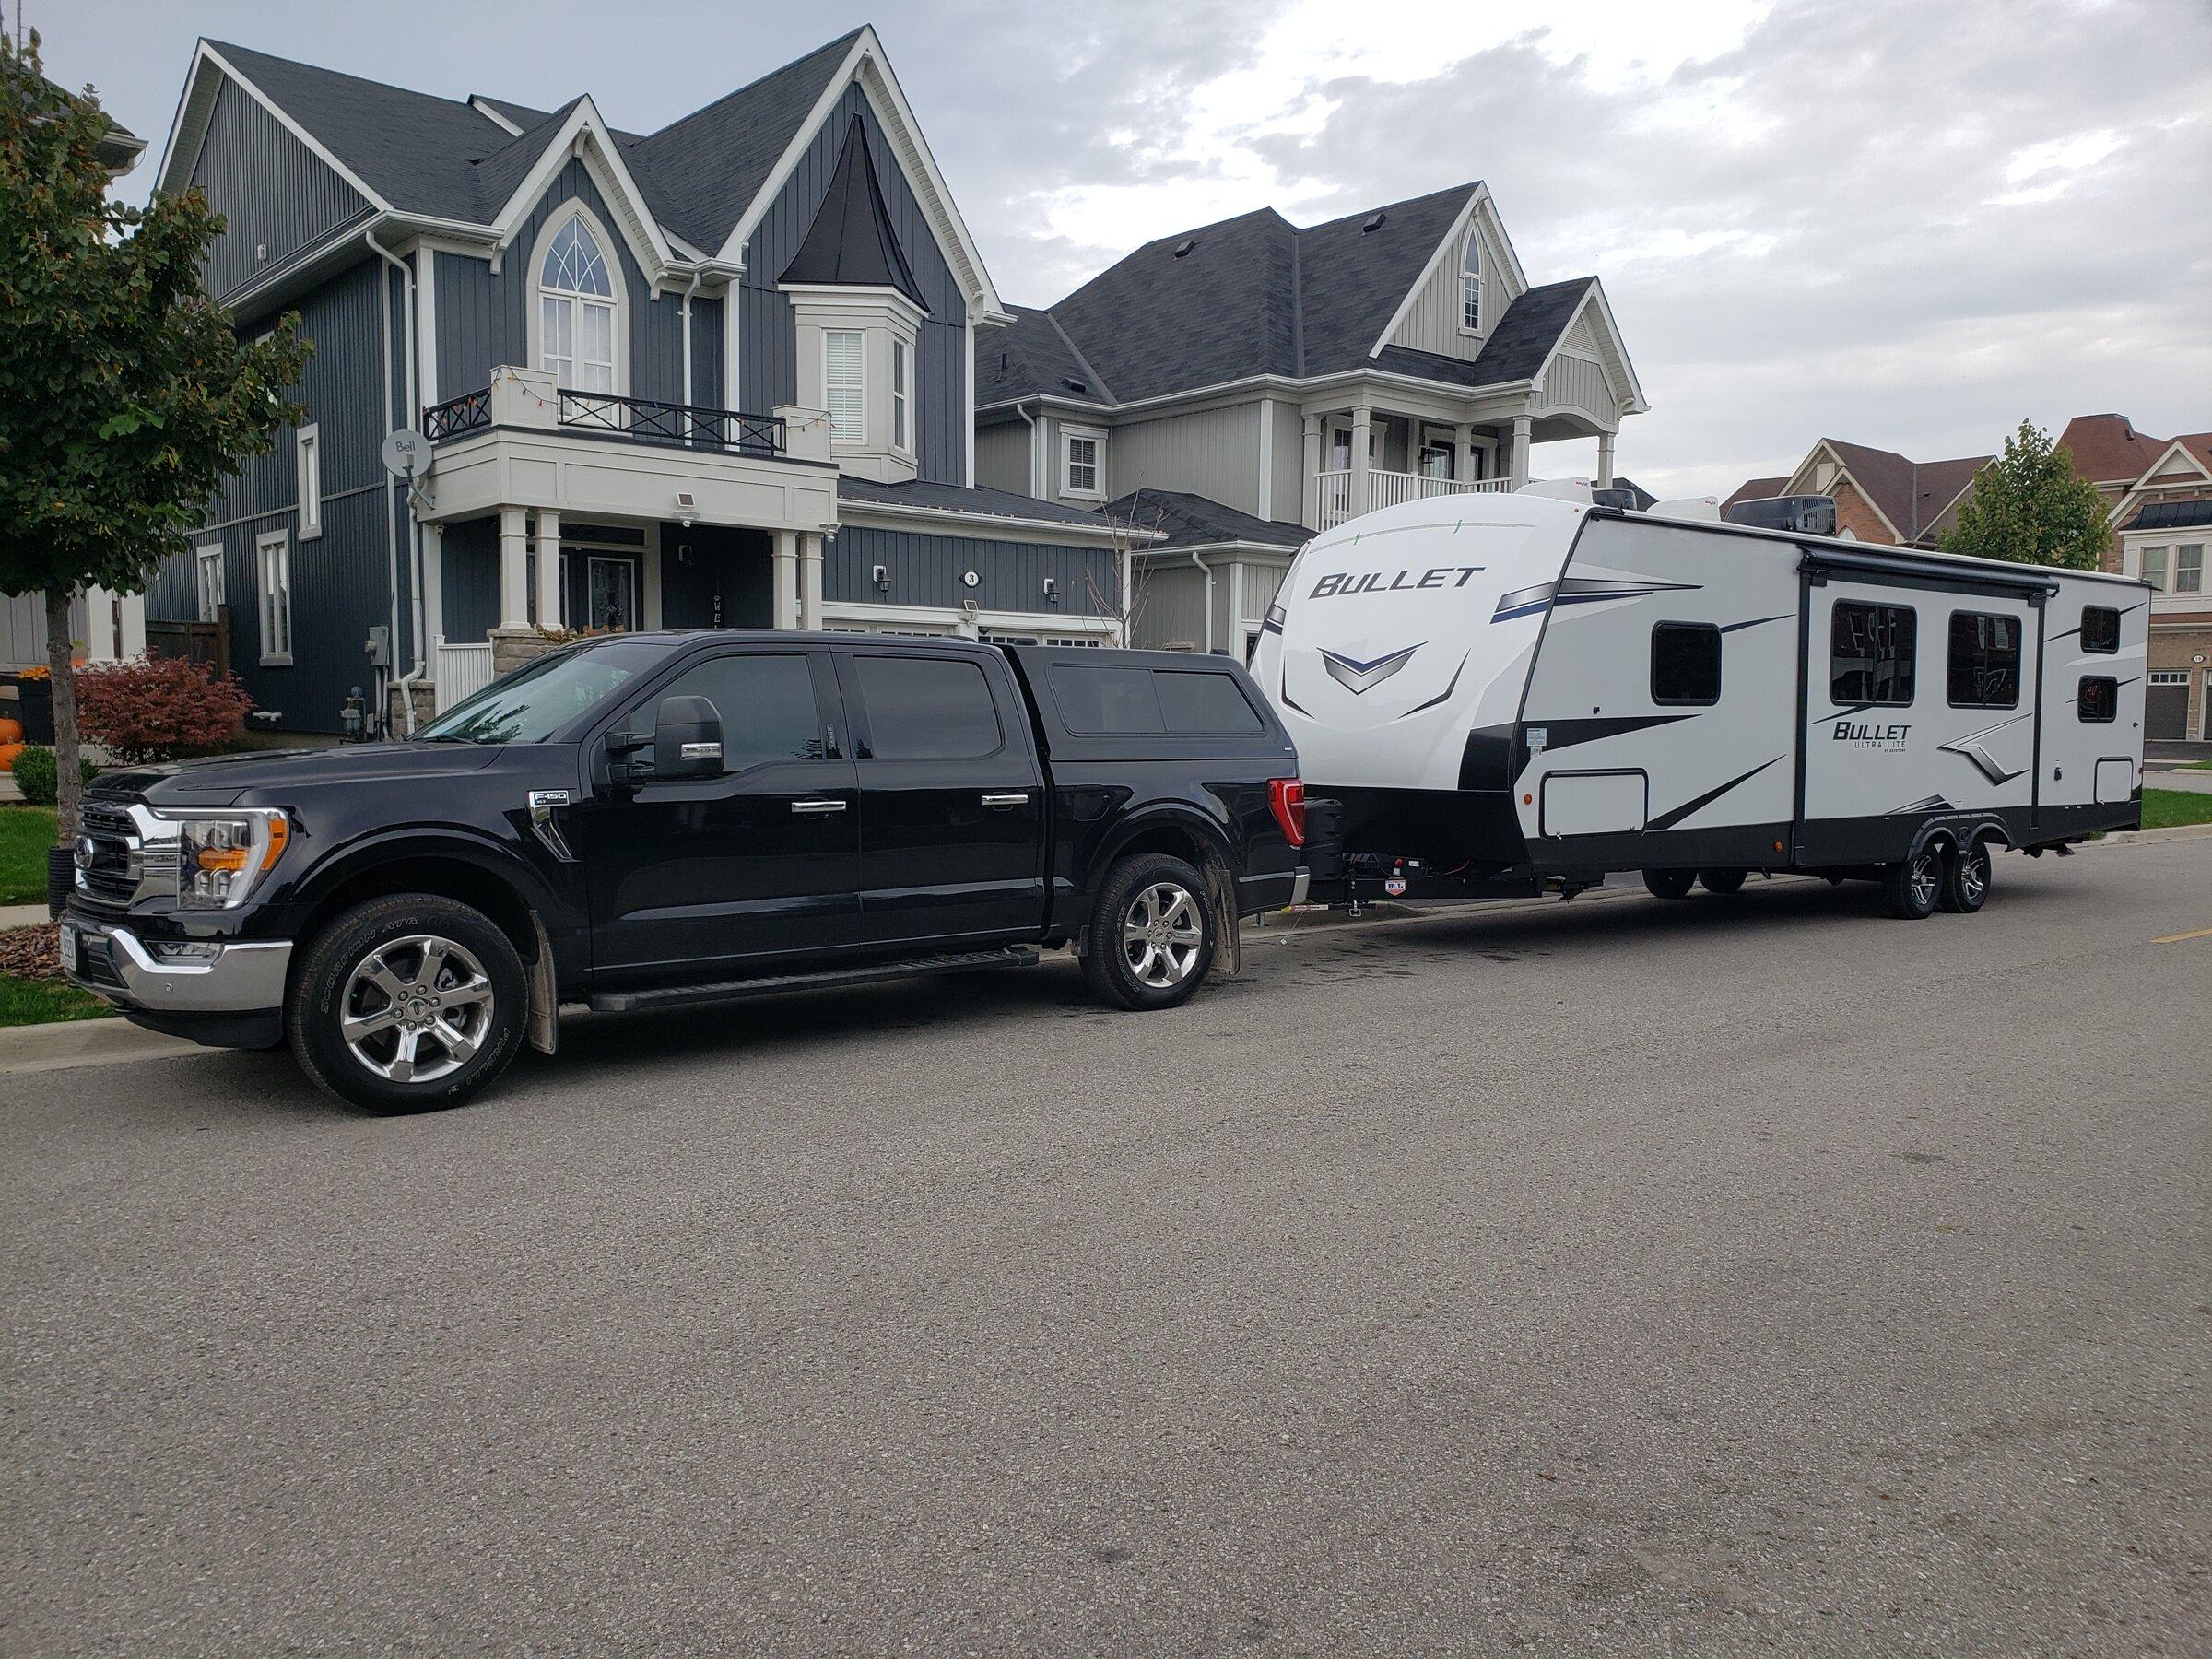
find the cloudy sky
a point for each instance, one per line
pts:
(1904, 222)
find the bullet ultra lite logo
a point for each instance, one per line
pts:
(1867, 736)
(1342, 584)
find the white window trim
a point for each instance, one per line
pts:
(610, 252)
(1069, 436)
(307, 446)
(859, 438)
(202, 557)
(1472, 239)
(902, 397)
(281, 542)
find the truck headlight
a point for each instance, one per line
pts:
(220, 855)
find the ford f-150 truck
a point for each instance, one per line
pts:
(654, 820)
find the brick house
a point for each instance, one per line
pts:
(1881, 495)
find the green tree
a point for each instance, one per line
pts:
(125, 394)
(2030, 508)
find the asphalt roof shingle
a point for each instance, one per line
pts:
(1195, 521)
(952, 497)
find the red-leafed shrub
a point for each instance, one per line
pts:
(159, 708)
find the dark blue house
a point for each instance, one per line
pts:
(720, 374)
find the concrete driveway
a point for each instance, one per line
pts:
(1753, 1275)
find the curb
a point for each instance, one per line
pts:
(63, 1044)
(2172, 832)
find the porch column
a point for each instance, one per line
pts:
(1605, 460)
(810, 582)
(1463, 452)
(515, 568)
(786, 587)
(1362, 419)
(548, 569)
(1309, 502)
(1520, 473)
(433, 591)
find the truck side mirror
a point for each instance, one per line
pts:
(687, 739)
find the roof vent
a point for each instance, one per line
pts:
(1372, 222)
(1185, 245)
(1072, 384)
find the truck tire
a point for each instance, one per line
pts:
(407, 1004)
(1966, 881)
(1151, 935)
(1723, 882)
(1912, 888)
(1669, 884)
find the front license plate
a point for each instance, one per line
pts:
(69, 936)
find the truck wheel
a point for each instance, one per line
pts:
(407, 1004)
(1722, 881)
(1669, 884)
(1151, 935)
(1912, 888)
(1966, 881)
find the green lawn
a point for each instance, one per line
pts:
(24, 834)
(2163, 808)
(39, 1002)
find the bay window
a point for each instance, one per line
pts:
(844, 385)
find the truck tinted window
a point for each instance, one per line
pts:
(2097, 701)
(1686, 663)
(1985, 661)
(2099, 630)
(1106, 701)
(765, 703)
(927, 708)
(1870, 654)
(1202, 704)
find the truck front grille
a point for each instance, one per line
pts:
(121, 861)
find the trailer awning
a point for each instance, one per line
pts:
(1985, 575)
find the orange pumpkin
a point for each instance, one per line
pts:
(11, 729)
(8, 751)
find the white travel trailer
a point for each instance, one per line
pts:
(1517, 690)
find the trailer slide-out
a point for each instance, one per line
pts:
(1495, 693)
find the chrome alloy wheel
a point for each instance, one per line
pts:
(1973, 874)
(1928, 878)
(1161, 934)
(417, 1009)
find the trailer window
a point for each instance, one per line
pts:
(2099, 630)
(1686, 663)
(1985, 661)
(2097, 701)
(1870, 650)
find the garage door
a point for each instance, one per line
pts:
(2166, 706)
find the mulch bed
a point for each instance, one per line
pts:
(31, 952)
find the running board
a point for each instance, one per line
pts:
(685, 996)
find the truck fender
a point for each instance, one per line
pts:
(399, 847)
(1216, 867)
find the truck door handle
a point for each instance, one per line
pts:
(1005, 800)
(816, 808)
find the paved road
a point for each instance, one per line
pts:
(1754, 1274)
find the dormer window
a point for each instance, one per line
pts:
(579, 306)
(1470, 284)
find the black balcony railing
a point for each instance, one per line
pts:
(646, 420)
(470, 413)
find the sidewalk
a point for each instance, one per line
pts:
(22, 915)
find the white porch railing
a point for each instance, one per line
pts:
(1334, 492)
(462, 671)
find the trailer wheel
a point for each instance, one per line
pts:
(1669, 884)
(1913, 887)
(1966, 881)
(1723, 882)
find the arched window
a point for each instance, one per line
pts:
(1470, 285)
(578, 301)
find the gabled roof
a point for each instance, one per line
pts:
(1756, 489)
(1913, 495)
(1257, 294)
(2107, 449)
(1194, 521)
(851, 242)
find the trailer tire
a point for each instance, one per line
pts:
(1140, 953)
(1912, 888)
(1966, 879)
(1669, 884)
(1722, 882)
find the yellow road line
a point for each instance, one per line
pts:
(2202, 932)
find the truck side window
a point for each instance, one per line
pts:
(1197, 704)
(2099, 630)
(1985, 661)
(2097, 701)
(765, 703)
(1870, 652)
(1686, 663)
(928, 708)
(1106, 701)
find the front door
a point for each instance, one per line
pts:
(695, 876)
(951, 799)
(611, 595)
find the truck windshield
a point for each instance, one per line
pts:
(538, 698)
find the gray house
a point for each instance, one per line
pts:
(719, 374)
(1235, 388)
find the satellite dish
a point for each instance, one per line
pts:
(407, 454)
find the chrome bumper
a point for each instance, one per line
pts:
(244, 977)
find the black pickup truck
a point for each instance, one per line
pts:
(654, 820)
